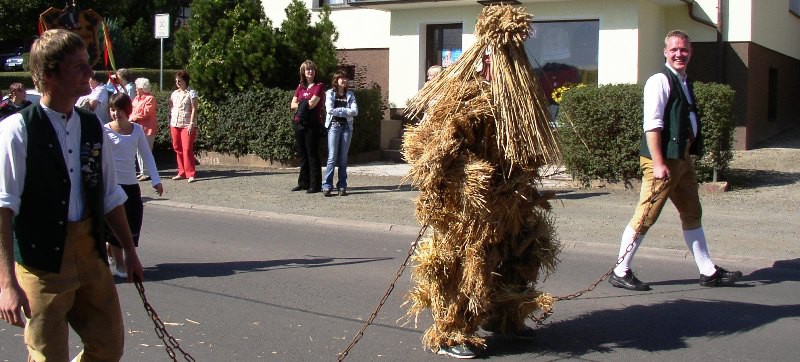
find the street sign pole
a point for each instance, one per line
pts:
(162, 32)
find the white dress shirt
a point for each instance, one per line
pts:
(14, 150)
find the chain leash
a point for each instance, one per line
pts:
(170, 343)
(374, 314)
(655, 192)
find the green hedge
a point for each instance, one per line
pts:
(6, 78)
(601, 129)
(259, 122)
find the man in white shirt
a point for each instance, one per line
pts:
(57, 190)
(672, 132)
(97, 100)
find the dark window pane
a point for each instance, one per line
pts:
(564, 52)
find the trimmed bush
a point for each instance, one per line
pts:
(601, 128)
(258, 122)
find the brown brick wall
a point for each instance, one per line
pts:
(746, 69)
(371, 67)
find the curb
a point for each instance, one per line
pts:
(579, 246)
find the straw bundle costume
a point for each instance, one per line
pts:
(475, 158)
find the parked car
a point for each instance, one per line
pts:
(14, 63)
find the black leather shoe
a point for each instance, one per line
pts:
(298, 188)
(629, 282)
(313, 190)
(720, 277)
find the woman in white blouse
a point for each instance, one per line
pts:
(183, 125)
(127, 139)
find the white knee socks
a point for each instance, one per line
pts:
(696, 242)
(627, 238)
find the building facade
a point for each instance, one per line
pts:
(750, 45)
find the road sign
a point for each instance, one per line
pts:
(162, 26)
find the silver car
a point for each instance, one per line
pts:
(13, 63)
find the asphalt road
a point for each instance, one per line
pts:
(231, 287)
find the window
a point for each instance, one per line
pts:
(564, 52)
(772, 95)
(332, 3)
(442, 45)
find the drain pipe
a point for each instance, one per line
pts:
(720, 76)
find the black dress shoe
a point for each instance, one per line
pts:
(720, 277)
(629, 282)
(313, 190)
(299, 188)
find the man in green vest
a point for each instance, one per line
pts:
(672, 132)
(57, 188)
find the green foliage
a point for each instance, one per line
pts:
(715, 105)
(367, 126)
(119, 44)
(259, 122)
(20, 19)
(601, 128)
(233, 52)
(300, 40)
(178, 57)
(145, 48)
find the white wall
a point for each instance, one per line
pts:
(618, 58)
(358, 28)
(775, 28)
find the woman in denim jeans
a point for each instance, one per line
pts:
(341, 107)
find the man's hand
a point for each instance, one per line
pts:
(660, 171)
(13, 301)
(135, 271)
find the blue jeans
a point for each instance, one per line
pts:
(339, 136)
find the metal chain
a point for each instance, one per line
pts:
(655, 192)
(170, 343)
(402, 268)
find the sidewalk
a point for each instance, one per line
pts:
(591, 219)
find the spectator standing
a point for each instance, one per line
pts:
(122, 78)
(183, 125)
(17, 100)
(672, 133)
(128, 140)
(58, 189)
(341, 106)
(144, 114)
(307, 117)
(97, 100)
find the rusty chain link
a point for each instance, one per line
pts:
(374, 314)
(170, 343)
(655, 192)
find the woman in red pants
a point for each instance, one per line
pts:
(183, 125)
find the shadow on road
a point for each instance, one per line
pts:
(169, 271)
(658, 327)
(651, 328)
(572, 195)
(379, 189)
(751, 179)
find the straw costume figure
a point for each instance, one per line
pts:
(475, 158)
